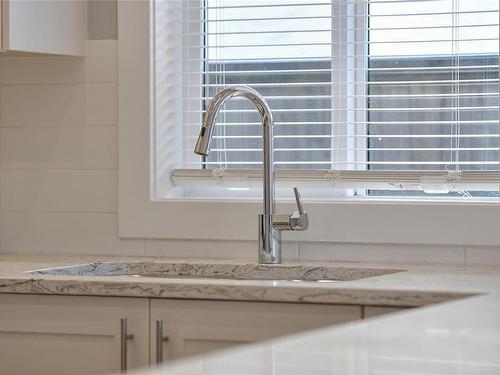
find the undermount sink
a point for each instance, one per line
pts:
(218, 271)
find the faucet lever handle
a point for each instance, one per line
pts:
(300, 207)
(299, 220)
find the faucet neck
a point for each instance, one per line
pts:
(268, 167)
(203, 143)
(269, 237)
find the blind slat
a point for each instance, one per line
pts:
(402, 97)
(195, 126)
(293, 58)
(320, 162)
(367, 69)
(391, 109)
(263, 45)
(329, 136)
(437, 82)
(329, 30)
(371, 149)
(492, 11)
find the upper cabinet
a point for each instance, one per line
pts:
(43, 27)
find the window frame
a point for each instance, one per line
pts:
(346, 220)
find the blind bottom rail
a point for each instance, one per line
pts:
(342, 180)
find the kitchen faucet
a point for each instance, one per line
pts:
(270, 224)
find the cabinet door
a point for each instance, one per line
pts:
(41, 334)
(44, 26)
(195, 327)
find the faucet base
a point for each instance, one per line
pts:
(269, 246)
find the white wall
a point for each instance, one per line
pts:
(58, 181)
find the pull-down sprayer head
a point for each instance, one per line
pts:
(203, 144)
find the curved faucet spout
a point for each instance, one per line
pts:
(203, 144)
(270, 224)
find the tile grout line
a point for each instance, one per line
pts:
(1, 174)
(60, 212)
(60, 126)
(42, 169)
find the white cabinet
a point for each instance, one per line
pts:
(41, 334)
(47, 334)
(195, 327)
(43, 26)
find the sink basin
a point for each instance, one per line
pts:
(218, 271)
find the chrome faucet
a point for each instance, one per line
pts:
(270, 223)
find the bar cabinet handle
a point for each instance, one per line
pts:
(160, 339)
(124, 337)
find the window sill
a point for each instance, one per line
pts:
(464, 223)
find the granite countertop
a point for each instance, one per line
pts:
(455, 330)
(410, 288)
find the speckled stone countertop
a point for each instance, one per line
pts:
(455, 329)
(406, 289)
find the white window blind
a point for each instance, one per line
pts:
(379, 95)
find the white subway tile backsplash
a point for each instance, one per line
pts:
(59, 148)
(101, 104)
(201, 249)
(101, 62)
(246, 250)
(423, 254)
(65, 233)
(58, 153)
(59, 190)
(42, 105)
(483, 256)
(42, 70)
(289, 251)
(99, 65)
(59, 105)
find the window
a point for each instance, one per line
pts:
(433, 87)
(157, 197)
(374, 98)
